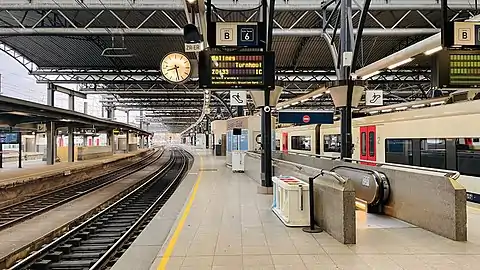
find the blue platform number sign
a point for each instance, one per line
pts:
(247, 36)
(477, 35)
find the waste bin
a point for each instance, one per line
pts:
(291, 201)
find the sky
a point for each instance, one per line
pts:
(15, 82)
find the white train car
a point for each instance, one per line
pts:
(443, 137)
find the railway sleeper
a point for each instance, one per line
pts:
(84, 255)
(96, 248)
(99, 241)
(72, 264)
(108, 234)
(74, 242)
(54, 256)
(112, 230)
(117, 225)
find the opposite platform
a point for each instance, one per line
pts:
(9, 176)
(225, 224)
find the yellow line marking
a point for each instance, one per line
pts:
(181, 222)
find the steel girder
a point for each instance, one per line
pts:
(134, 78)
(108, 22)
(142, 5)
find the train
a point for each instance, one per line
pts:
(438, 134)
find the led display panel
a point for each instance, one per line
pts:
(237, 70)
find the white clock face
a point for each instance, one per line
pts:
(176, 67)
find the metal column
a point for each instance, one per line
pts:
(50, 94)
(51, 143)
(127, 142)
(85, 111)
(266, 131)
(71, 145)
(71, 138)
(346, 46)
(141, 127)
(111, 140)
(347, 41)
(20, 151)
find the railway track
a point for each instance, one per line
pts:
(96, 243)
(16, 213)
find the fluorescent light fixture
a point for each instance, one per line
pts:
(418, 106)
(373, 112)
(304, 100)
(387, 110)
(317, 96)
(434, 50)
(370, 75)
(295, 103)
(327, 92)
(401, 108)
(408, 60)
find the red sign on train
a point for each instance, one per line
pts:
(306, 118)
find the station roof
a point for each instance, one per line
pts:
(65, 41)
(25, 115)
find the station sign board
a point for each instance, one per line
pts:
(305, 117)
(459, 69)
(10, 138)
(237, 70)
(466, 34)
(235, 34)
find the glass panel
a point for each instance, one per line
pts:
(301, 143)
(371, 143)
(433, 153)
(332, 143)
(364, 143)
(468, 156)
(399, 151)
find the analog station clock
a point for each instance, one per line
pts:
(176, 67)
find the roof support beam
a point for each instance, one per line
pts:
(65, 5)
(296, 32)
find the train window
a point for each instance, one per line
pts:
(399, 151)
(332, 143)
(301, 143)
(371, 143)
(364, 143)
(433, 153)
(468, 156)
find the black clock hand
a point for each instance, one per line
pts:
(176, 70)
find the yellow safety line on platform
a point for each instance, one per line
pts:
(181, 222)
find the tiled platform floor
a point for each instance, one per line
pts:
(231, 227)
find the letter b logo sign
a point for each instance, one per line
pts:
(226, 34)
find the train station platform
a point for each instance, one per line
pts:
(38, 170)
(217, 220)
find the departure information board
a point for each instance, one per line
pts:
(9, 138)
(237, 70)
(460, 68)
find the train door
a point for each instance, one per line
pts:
(368, 145)
(285, 142)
